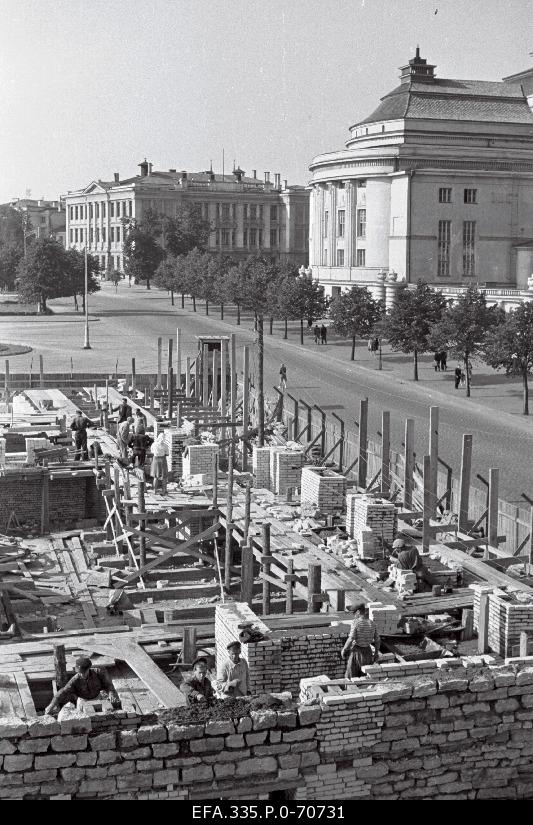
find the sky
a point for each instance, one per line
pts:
(92, 87)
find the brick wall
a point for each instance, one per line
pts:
(70, 499)
(507, 618)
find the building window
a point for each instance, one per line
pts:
(75, 236)
(103, 234)
(326, 223)
(445, 195)
(361, 223)
(234, 211)
(324, 257)
(470, 196)
(245, 211)
(225, 212)
(260, 237)
(97, 234)
(341, 218)
(245, 237)
(103, 209)
(81, 235)
(273, 238)
(71, 236)
(112, 209)
(469, 249)
(71, 213)
(443, 261)
(217, 237)
(43, 218)
(260, 211)
(273, 213)
(253, 212)
(340, 257)
(76, 213)
(118, 209)
(97, 210)
(253, 237)
(130, 208)
(118, 234)
(233, 238)
(225, 237)
(112, 234)
(360, 259)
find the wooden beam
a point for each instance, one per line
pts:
(265, 535)
(178, 359)
(229, 517)
(385, 452)
(60, 666)
(409, 463)
(247, 574)
(314, 587)
(159, 362)
(362, 467)
(483, 624)
(45, 504)
(464, 488)
(494, 477)
(245, 405)
(428, 501)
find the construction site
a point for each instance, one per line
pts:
(265, 538)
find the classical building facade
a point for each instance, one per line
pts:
(247, 214)
(437, 183)
(41, 218)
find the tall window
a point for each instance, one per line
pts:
(253, 212)
(81, 235)
(470, 196)
(76, 212)
(361, 223)
(225, 237)
(273, 238)
(103, 233)
(260, 237)
(326, 223)
(261, 211)
(118, 234)
(253, 237)
(233, 238)
(273, 213)
(97, 234)
(341, 219)
(245, 211)
(97, 209)
(103, 209)
(340, 257)
(118, 209)
(112, 234)
(112, 209)
(445, 195)
(469, 249)
(71, 235)
(130, 208)
(225, 212)
(360, 258)
(443, 260)
(75, 236)
(234, 210)
(245, 237)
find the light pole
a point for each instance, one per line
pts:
(86, 344)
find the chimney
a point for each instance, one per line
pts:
(267, 177)
(211, 175)
(285, 183)
(183, 174)
(150, 168)
(277, 179)
(144, 168)
(116, 177)
(254, 173)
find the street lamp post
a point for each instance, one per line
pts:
(86, 344)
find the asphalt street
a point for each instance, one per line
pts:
(128, 323)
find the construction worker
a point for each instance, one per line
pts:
(408, 558)
(124, 411)
(233, 678)
(358, 650)
(196, 686)
(79, 428)
(140, 422)
(88, 683)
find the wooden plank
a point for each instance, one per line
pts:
(464, 490)
(25, 695)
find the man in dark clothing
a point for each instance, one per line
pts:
(458, 375)
(124, 411)
(408, 558)
(79, 427)
(88, 683)
(444, 360)
(316, 332)
(196, 686)
(323, 334)
(140, 443)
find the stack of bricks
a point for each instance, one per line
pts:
(323, 488)
(507, 618)
(200, 460)
(285, 469)
(31, 445)
(385, 617)
(175, 440)
(2, 452)
(261, 467)
(365, 513)
(405, 580)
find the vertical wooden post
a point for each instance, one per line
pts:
(188, 648)
(296, 421)
(159, 361)
(197, 371)
(337, 600)
(314, 587)
(141, 503)
(483, 624)
(229, 521)
(494, 478)
(116, 481)
(188, 377)
(178, 414)
(178, 359)
(233, 378)
(245, 406)
(41, 372)
(6, 375)
(341, 448)
(247, 502)
(434, 455)
(223, 405)
(247, 574)
(45, 503)
(60, 666)
(428, 502)
(385, 453)
(215, 484)
(289, 598)
(265, 536)
(205, 376)
(169, 362)
(214, 385)
(524, 644)
(464, 486)
(309, 430)
(409, 463)
(170, 394)
(128, 509)
(530, 564)
(362, 464)
(133, 378)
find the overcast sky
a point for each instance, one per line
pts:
(91, 87)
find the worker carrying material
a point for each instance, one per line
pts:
(88, 683)
(233, 677)
(358, 650)
(408, 558)
(196, 686)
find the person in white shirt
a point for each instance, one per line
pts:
(233, 678)
(123, 438)
(159, 469)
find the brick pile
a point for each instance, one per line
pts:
(175, 440)
(261, 467)
(323, 488)
(31, 445)
(370, 521)
(405, 580)
(285, 469)
(384, 616)
(507, 618)
(199, 459)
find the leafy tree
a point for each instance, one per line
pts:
(114, 276)
(142, 251)
(510, 346)
(408, 325)
(44, 273)
(355, 314)
(299, 298)
(11, 226)
(165, 276)
(186, 230)
(10, 257)
(195, 265)
(76, 275)
(463, 328)
(231, 287)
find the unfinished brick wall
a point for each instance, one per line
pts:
(506, 617)
(70, 499)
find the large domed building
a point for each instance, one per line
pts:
(437, 183)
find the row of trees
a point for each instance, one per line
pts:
(11, 245)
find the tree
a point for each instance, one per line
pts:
(510, 346)
(195, 265)
(76, 275)
(299, 298)
(231, 287)
(12, 226)
(463, 328)
(257, 276)
(355, 314)
(408, 325)
(44, 273)
(10, 257)
(186, 230)
(165, 276)
(142, 252)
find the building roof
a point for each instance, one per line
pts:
(449, 99)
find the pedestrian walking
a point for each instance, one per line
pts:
(283, 377)
(323, 334)
(316, 332)
(436, 358)
(458, 376)
(123, 438)
(370, 346)
(444, 360)
(375, 345)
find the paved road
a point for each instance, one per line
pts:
(130, 322)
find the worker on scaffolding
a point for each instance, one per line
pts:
(408, 558)
(233, 677)
(79, 427)
(196, 686)
(87, 683)
(358, 648)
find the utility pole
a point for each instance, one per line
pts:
(86, 344)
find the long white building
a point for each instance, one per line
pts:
(437, 183)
